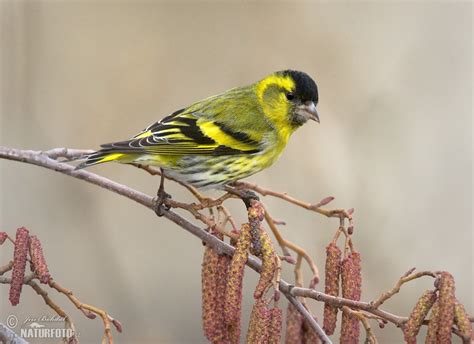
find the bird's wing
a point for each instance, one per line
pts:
(183, 133)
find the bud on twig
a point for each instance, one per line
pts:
(294, 325)
(446, 301)
(331, 287)
(37, 259)
(324, 201)
(351, 289)
(19, 264)
(3, 237)
(418, 314)
(268, 264)
(117, 325)
(461, 319)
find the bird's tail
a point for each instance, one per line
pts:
(99, 157)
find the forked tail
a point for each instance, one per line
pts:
(104, 155)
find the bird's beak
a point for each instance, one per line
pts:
(308, 111)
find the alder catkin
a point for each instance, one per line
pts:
(214, 281)
(233, 292)
(331, 286)
(417, 315)
(446, 301)
(260, 321)
(256, 214)
(222, 270)
(431, 333)
(268, 264)
(351, 289)
(461, 319)
(209, 292)
(309, 336)
(38, 260)
(274, 335)
(294, 325)
(19, 263)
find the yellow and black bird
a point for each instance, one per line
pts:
(223, 138)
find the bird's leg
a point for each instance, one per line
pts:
(162, 196)
(247, 196)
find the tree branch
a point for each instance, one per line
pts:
(42, 159)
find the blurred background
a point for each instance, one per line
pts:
(395, 143)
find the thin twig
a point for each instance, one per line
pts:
(285, 245)
(408, 276)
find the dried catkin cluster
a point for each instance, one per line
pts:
(351, 289)
(268, 264)
(461, 319)
(38, 261)
(347, 273)
(19, 264)
(222, 280)
(214, 272)
(447, 299)
(294, 325)
(445, 311)
(265, 323)
(331, 287)
(298, 331)
(418, 314)
(25, 244)
(233, 295)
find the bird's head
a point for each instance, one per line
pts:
(288, 98)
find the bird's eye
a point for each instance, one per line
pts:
(290, 96)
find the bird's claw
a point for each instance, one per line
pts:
(247, 196)
(160, 205)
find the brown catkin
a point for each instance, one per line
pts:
(331, 287)
(3, 237)
(417, 315)
(260, 321)
(214, 280)
(233, 333)
(309, 336)
(294, 326)
(461, 319)
(19, 263)
(268, 264)
(446, 301)
(38, 260)
(256, 214)
(222, 269)
(209, 292)
(351, 289)
(233, 293)
(433, 325)
(274, 335)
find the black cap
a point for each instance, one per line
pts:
(306, 88)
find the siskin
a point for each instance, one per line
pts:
(224, 138)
